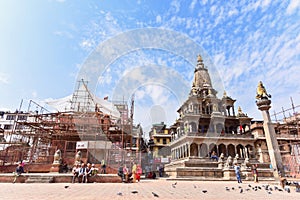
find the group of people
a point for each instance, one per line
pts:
(237, 170)
(82, 172)
(130, 175)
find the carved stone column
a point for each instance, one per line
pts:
(273, 148)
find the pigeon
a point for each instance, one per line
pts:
(259, 187)
(275, 188)
(269, 192)
(195, 186)
(249, 185)
(134, 192)
(154, 194)
(240, 187)
(227, 189)
(66, 186)
(232, 188)
(241, 191)
(270, 189)
(204, 191)
(174, 184)
(280, 190)
(247, 189)
(119, 193)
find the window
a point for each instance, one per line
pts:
(7, 127)
(164, 141)
(158, 140)
(22, 117)
(10, 117)
(20, 127)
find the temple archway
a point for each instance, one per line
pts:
(222, 149)
(249, 151)
(231, 150)
(240, 150)
(203, 150)
(213, 147)
(194, 149)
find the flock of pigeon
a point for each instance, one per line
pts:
(268, 188)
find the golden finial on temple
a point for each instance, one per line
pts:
(240, 109)
(224, 94)
(199, 59)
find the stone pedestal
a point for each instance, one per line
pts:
(273, 148)
(55, 168)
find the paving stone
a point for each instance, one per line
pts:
(119, 191)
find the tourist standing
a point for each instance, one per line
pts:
(255, 173)
(161, 170)
(138, 173)
(237, 170)
(134, 172)
(103, 167)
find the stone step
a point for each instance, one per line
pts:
(39, 179)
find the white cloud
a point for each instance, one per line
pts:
(34, 94)
(158, 19)
(175, 5)
(233, 12)
(192, 5)
(63, 34)
(4, 78)
(213, 9)
(87, 43)
(293, 5)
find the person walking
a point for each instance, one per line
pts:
(255, 173)
(237, 170)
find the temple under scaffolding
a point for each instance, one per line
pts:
(84, 124)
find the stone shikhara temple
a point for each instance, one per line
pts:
(209, 124)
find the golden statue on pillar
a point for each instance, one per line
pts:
(199, 58)
(261, 92)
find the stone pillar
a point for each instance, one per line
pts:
(273, 148)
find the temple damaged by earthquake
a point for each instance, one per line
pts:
(209, 137)
(84, 128)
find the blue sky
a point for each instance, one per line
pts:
(45, 43)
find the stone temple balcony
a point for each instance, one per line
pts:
(225, 135)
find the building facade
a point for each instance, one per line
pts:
(160, 138)
(208, 124)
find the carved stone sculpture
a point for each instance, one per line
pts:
(78, 158)
(57, 157)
